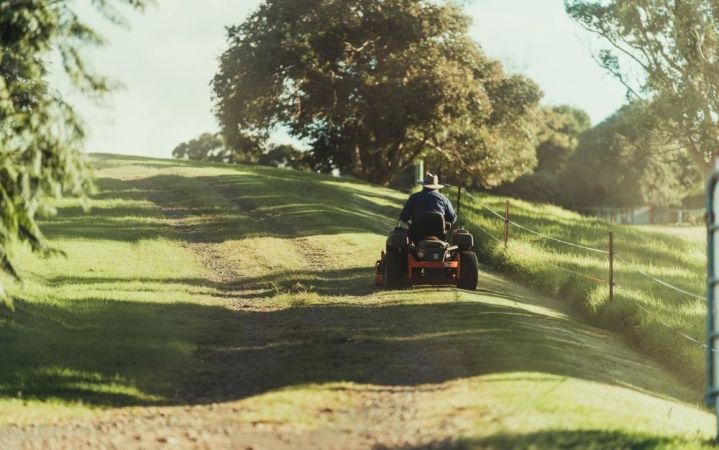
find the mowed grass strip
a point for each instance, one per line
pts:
(676, 256)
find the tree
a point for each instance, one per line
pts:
(286, 156)
(40, 136)
(558, 133)
(627, 160)
(673, 47)
(211, 147)
(560, 128)
(207, 147)
(373, 85)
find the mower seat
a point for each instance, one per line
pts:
(427, 224)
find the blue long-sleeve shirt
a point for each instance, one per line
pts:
(428, 200)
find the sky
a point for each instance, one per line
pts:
(167, 57)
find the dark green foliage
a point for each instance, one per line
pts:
(560, 128)
(207, 147)
(373, 85)
(558, 132)
(668, 52)
(286, 156)
(628, 160)
(211, 147)
(40, 136)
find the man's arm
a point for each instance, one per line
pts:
(408, 209)
(449, 215)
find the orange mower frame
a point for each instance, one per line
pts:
(453, 264)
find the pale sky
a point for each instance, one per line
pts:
(168, 57)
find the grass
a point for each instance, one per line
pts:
(647, 313)
(200, 284)
(93, 327)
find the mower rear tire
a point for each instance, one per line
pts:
(395, 270)
(469, 271)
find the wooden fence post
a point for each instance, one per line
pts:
(611, 266)
(506, 224)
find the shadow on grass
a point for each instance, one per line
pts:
(562, 439)
(134, 353)
(100, 352)
(352, 281)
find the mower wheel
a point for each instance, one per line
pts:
(395, 270)
(469, 271)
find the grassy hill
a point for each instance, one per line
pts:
(659, 320)
(209, 305)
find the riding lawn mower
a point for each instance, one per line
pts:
(423, 255)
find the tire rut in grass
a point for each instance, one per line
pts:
(317, 259)
(202, 239)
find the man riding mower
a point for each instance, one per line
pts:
(422, 254)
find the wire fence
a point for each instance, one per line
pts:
(662, 282)
(505, 219)
(674, 330)
(536, 233)
(556, 266)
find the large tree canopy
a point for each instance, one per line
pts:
(666, 51)
(627, 160)
(374, 84)
(40, 136)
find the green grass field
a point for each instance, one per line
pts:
(646, 312)
(239, 302)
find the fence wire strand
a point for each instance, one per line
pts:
(558, 240)
(671, 328)
(544, 236)
(662, 282)
(657, 280)
(579, 274)
(489, 234)
(596, 280)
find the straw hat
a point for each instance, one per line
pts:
(431, 181)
